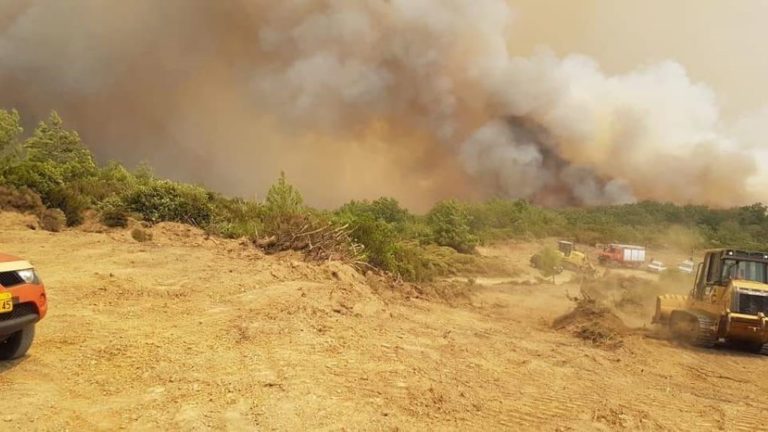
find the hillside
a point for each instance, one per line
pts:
(189, 333)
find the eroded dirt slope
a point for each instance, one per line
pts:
(186, 333)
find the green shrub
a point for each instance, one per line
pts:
(412, 263)
(114, 214)
(419, 263)
(389, 210)
(449, 223)
(417, 230)
(166, 201)
(384, 209)
(378, 239)
(111, 181)
(549, 262)
(375, 226)
(236, 218)
(41, 177)
(144, 173)
(53, 220)
(70, 202)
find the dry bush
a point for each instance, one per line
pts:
(53, 220)
(114, 214)
(114, 218)
(22, 200)
(141, 235)
(70, 201)
(318, 239)
(425, 263)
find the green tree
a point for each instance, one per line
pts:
(389, 210)
(283, 199)
(144, 172)
(10, 130)
(449, 224)
(549, 262)
(50, 142)
(731, 234)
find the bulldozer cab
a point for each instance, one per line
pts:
(565, 247)
(720, 267)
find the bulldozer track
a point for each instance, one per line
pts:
(697, 331)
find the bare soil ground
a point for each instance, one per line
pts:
(194, 334)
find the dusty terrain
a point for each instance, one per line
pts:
(188, 333)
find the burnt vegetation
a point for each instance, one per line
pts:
(52, 174)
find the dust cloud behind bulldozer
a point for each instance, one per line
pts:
(420, 100)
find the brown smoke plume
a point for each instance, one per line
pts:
(417, 99)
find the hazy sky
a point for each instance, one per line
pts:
(723, 43)
(443, 98)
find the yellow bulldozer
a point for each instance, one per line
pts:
(570, 259)
(574, 260)
(728, 302)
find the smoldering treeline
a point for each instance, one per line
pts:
(417, 99)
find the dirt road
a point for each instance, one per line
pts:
(191, 334)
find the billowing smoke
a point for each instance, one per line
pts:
(417, 99)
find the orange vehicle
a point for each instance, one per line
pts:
(22, 304)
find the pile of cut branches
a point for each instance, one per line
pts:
(319, 240)
(593, 321)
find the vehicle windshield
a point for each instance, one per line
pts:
(744, 270)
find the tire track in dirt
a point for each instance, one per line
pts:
(140, 339)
